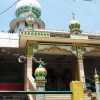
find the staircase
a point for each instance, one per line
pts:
(13, 97)
(61, 97)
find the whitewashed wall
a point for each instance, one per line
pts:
(9, 39)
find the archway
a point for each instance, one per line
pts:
(59, 72)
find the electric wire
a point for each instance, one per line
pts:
(9, 7)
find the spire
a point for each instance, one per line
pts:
(95, 71)
(73, 14)
(96, 76)
(30, 11)
(30, 20)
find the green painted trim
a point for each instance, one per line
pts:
(30, 26)
(36, 92)
(75, 26)
(34, 34)
(26, 9)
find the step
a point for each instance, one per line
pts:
(13, 97)
(57, 97)
(61, 97)
(87, 97)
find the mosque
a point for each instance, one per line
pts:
(67, 55)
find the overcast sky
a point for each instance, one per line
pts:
(57, 14)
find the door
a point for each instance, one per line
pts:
(58, 78)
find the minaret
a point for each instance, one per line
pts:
(40, 75)
(27, 13)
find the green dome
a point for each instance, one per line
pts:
(74, 25)
(40, 73)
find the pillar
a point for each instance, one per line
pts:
(77, 90)
(80, 64)
(28, 66)
(81, 70)
(97, 85)
(78, 51)
(40, 87)
(29, 55)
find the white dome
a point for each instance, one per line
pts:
(32, 3)
(23, 7)
(74, 21)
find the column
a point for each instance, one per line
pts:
(81, 70)
(80, 65)
(28, 66)
(97, 85)
(40, 87)
(29, 55)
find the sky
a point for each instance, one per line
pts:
(57, 14)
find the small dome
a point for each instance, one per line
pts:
(74, 25)
(96, 76)
(23, 7)
(40, 73)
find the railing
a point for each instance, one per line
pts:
(93, 87)
(31, 83)
(20, 94)
(35, 92)
(31, 86)
(90, 85)
(75, 86)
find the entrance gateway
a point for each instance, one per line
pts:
(60, 65)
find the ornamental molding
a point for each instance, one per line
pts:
(54, 50)
(26, 9)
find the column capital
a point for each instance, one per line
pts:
(80, 58)
(29, 58)
(29, 49)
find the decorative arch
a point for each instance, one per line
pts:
(54, 50)
(94, 52)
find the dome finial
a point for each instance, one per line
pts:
(96, 76)
(73, 14)
(30, 11)
(30, 20)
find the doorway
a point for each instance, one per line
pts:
(58, 79)
(59, 70)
